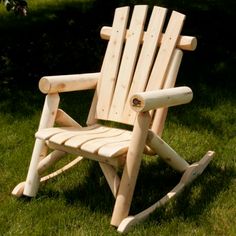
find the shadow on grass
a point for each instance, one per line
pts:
(154, 181)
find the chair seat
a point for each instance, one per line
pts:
(97, 139)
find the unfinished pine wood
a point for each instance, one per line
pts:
(170, 156)
(47, 120)
(131, 169)
(19, 189)
(191, 173)
(128, 62)
(141, 66)
(49, 160)
(161, 113)
(95, 144)
(146, 57)
(151, 100)
(165, 53)
(116, 161)
(77, 141)
(184, 42)
(67, 83)
(45, 134)
(110, 66)
(112, 178)
(64, 119)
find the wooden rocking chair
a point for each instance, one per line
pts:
(134, 87)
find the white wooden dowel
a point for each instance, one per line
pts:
(185, 42)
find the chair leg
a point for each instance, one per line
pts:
(131, 169)
(33, 179)
(40, 150)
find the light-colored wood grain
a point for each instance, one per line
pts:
(78, 140)
(117, 161)
(49, 132)
(161, 113)
(95, 144)
(151, 100)
(111, 63)
(165, 53)
(19, 189)
(112, 178)
(131, 169)
(47, 120)
(63, 119)
(165, 152)
(49, 160)
(191, 173)
(145, 61)
(66, 83)
(184, 42)
(128, 62)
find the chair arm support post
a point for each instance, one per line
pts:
(131, 168)
(146, 101)
(67, 83)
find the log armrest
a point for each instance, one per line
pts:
(67, 83)
(150, 100)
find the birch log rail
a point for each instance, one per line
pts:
(135, 87)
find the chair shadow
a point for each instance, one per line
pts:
(155, 180)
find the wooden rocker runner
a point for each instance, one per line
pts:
(135, 87)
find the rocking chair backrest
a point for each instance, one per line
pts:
(137, 60)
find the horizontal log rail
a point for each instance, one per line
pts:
(188, 43)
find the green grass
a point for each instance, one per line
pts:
(80, 202)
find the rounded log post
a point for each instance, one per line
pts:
(39, 152)
(66, 83)
(131, 168)
(150, 100)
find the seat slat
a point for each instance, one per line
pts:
(49, 132)
(62, 137)
(78, 140)
(111, 63)
(112, 150)
(143, 68)
(128, 62)
(93, 145)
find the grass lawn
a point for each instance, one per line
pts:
(50, 41)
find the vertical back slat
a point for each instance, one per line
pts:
(128, 62)
(167, 47)
(111, 63)
(161, 113)
(146, 58)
